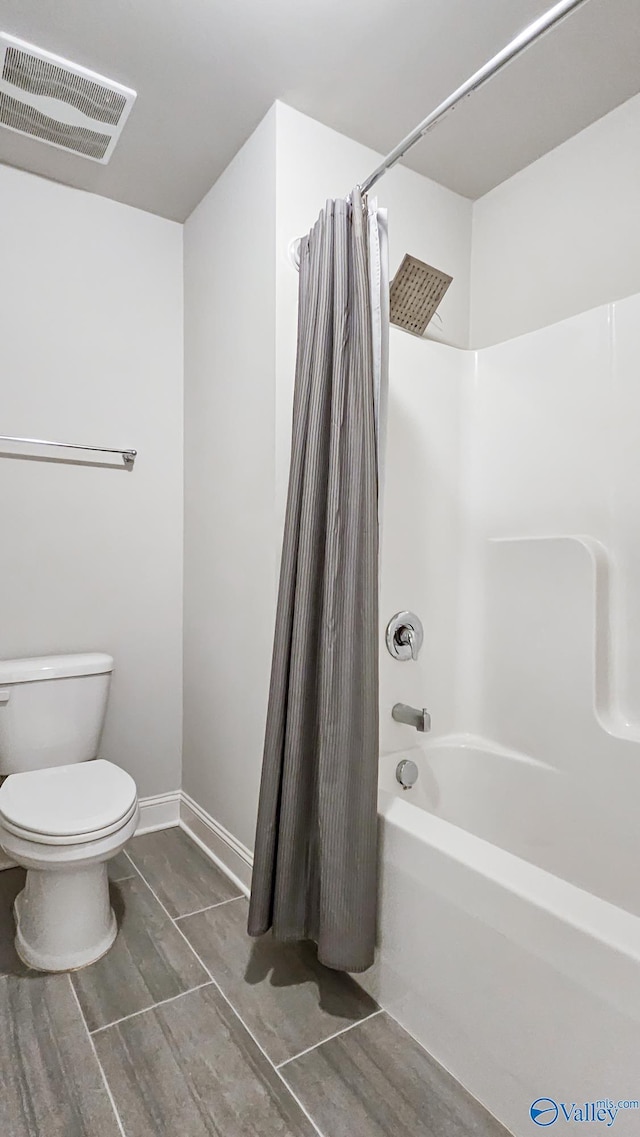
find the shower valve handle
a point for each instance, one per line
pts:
(404, 636)
(407, 636)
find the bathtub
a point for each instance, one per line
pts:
(518, 979)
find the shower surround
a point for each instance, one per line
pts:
(510, 924)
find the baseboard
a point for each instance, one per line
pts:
(225, 850)
(159, 812)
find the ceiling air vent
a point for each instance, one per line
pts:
(60, 103)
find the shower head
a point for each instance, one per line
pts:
(416, 291)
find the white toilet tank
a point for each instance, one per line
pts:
(52, 710)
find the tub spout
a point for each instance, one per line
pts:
(412, 716)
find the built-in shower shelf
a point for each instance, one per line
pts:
(549, 652)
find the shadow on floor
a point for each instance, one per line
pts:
(291, 965)
(117, 903)
(11, 883)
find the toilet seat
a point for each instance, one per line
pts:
(68, 805)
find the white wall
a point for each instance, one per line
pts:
(229, 483)
(91, 352)
(561, 236)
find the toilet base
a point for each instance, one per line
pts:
(64, 920)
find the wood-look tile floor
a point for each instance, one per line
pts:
(189, 1027)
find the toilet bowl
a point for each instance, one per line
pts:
(63, 825)
(63, 812)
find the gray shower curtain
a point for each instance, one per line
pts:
(314, 873)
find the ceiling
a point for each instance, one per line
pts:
(206, 72)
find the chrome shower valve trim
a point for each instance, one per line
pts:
(404, 636)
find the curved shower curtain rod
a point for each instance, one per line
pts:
(516, 47)
(524, 40)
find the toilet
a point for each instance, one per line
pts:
(63, 812)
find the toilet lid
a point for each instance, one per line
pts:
(66, 801)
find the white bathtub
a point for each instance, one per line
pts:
(521, 983)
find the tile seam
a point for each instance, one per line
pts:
(105, 1080)
(208, 907)
(182, 915)
(151, 1007)
(227, 1000)
(337, 1034)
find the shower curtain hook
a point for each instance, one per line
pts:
(293, 252)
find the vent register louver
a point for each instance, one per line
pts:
(60, 103)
